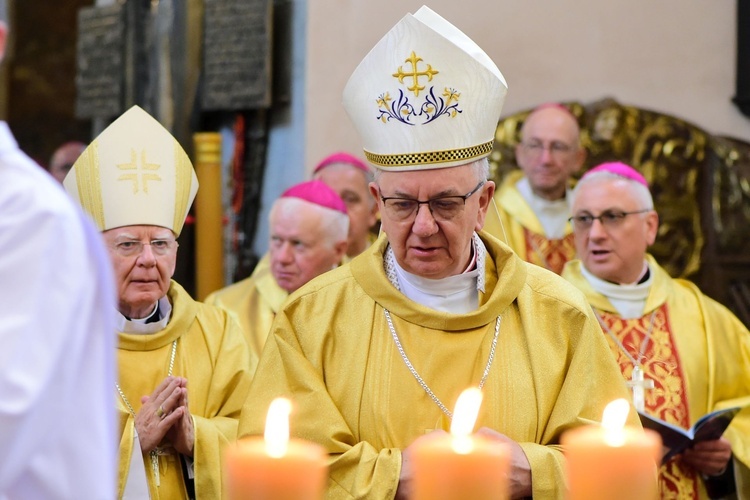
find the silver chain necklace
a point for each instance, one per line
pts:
(422, 383)
(153, 454)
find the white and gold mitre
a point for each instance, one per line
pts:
(426, 96)
(134, 173)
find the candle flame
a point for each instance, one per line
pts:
(277, 427)
(613, 421)
(464, 417)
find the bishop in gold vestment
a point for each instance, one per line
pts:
(533, 202)
(308, 236)
(211, 353)
(184, 368)
(693, 350)
(374, 354)
(698, 357)
(331, 350)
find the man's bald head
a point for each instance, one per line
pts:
(550, 150)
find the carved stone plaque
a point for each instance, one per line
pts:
(237, 55)
(100, 67)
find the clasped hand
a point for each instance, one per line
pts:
(164, 417)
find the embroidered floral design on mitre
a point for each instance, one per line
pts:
(432, 107)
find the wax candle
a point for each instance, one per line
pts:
(461, 465)
(275, 467)
(612, 461)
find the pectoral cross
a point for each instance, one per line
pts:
(154, 455)
(639, 383)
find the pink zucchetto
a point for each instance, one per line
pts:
(341, 157)
(621, 169)
(316, 192)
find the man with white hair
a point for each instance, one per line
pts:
(184, 368)
(685, 354)
(308, 236)
(375, 353)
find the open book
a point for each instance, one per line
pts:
(676, 439)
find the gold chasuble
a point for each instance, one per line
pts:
(212, 354)
(696, 352)
(330, 350)
(525, 234)
(253, 303)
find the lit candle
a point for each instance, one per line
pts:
(612, 461)
(274, 467)
(461, 465)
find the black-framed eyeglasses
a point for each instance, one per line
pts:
(443, 208)
(608, 218)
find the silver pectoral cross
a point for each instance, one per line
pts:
(639, 383)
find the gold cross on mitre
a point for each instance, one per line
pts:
(415, 73)
(144, 176)
(639, 383)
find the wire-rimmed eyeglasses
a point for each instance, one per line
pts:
(442, 208)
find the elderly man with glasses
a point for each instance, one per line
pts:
(534, 202)
(684, 354)
(184, 368)
(375, 353)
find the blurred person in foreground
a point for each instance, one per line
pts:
(184, 367)
(308, 232)
(57, 366)
(375, 353)
(691, 351)
(350, 177)
(534, 202)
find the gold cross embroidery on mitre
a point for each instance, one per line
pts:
(415, 73)
(143, 169)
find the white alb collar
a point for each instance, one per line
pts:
(455, 294)
(629, 300)
(139, 326)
